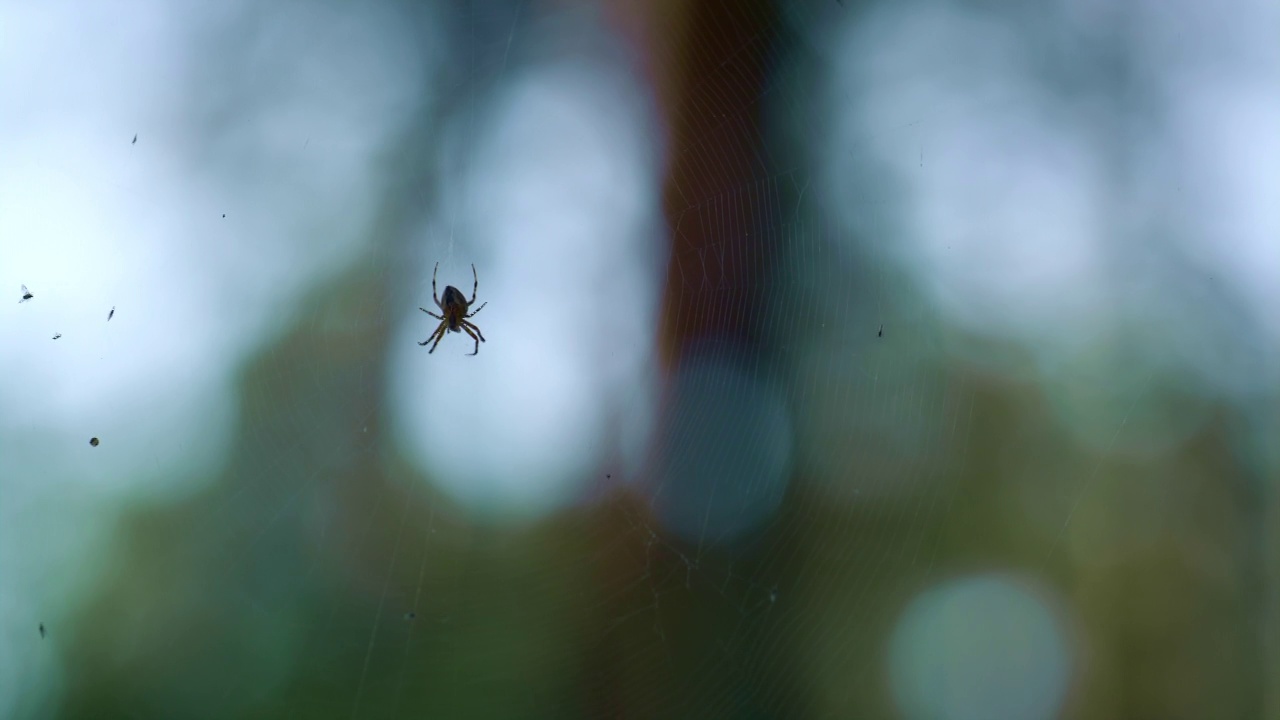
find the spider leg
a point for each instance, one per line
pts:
(438, 317)
(466, 326)
(475, 287)
(433, 287)
(475, 327)
(473, 312)
(443, 329)
(438, 335)
(432, 335)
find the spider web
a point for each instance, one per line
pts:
(808, 379)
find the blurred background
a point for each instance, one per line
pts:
(844, 359)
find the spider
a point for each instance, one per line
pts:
(455, 312)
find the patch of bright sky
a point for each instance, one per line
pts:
(90, 220)
(557, 208)
(1011, 209)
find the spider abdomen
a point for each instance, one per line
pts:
(453, 298)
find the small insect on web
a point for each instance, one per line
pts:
(26, 295)
(112, 313)
(455, 312)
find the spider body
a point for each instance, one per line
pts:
(454, 304)
(455, 317)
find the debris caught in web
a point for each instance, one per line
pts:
(42, 630)
(880, 332)
(135, 139)
(26, 295)
(112, 313)
(57, 335)
(93, 441)
(410, 615)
